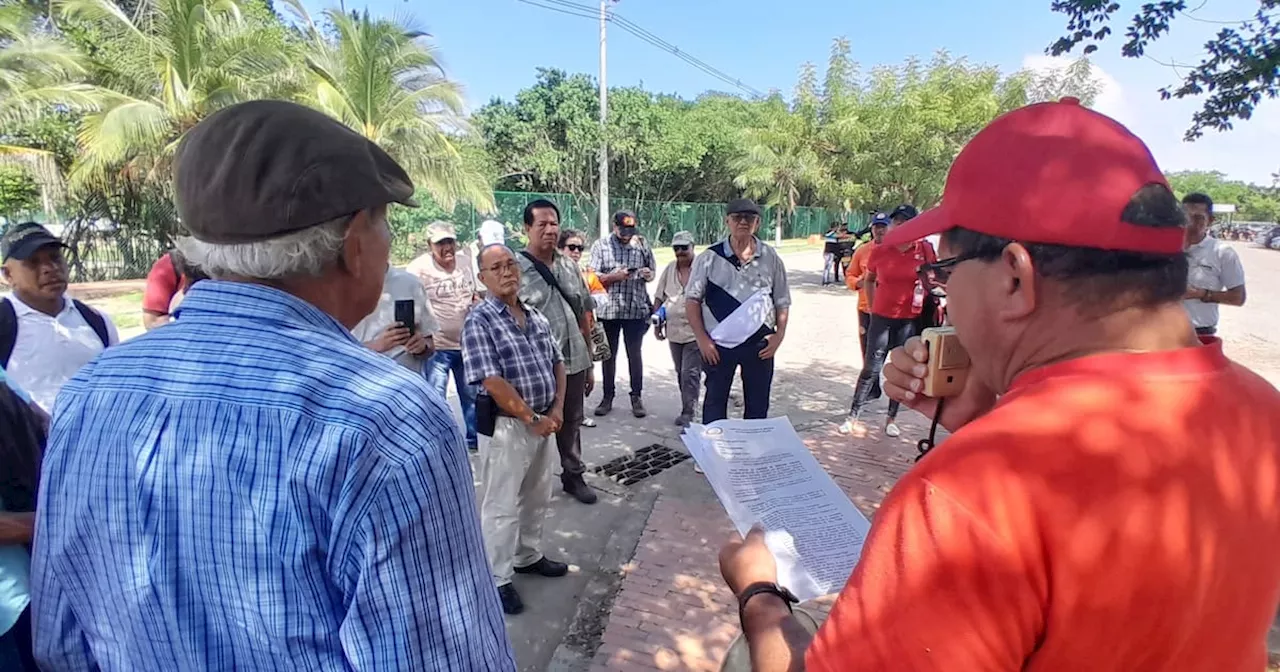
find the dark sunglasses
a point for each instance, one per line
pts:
(681, 248)
(941, 270)
(574, 248)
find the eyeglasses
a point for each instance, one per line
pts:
(502, 268)
(744, 218)
(941, 270)
(681, 248)
(575, 248)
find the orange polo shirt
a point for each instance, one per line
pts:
(1118, 512)
(857, 270)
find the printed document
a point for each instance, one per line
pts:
(763, 473)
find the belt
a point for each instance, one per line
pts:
(1206, 331)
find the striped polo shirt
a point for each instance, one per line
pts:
(722, 282)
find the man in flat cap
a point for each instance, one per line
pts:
(250, 487)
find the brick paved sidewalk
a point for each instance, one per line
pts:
(673, 611)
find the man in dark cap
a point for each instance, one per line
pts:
(45, 337)
(250, 487)
(624, 269)
(738, 301)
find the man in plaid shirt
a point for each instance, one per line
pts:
(509, 351)
(624, 269)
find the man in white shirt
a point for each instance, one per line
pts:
(382, 332)
(1215, 275)
(44, 337)
(451, 290)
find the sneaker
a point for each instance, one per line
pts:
(684, 420)
(545, 567)
(578, 488)
(588, 422)
(637, 407)
(854, 427)
(603, 409)
(697, 469)
(511, 602)
(891, 430)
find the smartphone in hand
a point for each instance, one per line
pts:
(405, 316)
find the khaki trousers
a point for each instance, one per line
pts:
(515, 492)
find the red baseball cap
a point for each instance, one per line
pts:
(1051, 173)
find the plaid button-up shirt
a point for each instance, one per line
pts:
(560, 310)
(628, 299)
(494, 345)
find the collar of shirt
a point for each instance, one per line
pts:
(219, 299)
(725, 249)
(20, 308)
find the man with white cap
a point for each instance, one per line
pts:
(673, 325)
(451, 290)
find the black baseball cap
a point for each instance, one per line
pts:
(266, 168)
(22, 240)
(624, 218)
(905, 211)
(742, 206)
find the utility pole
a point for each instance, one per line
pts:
(604, 129)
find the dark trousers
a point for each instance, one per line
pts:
(883, 335)
(632, 332)
(688, 361)
(864, 323)
(569, 438)
(757, 380)
(15, 646)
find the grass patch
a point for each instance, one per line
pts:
(123, 309)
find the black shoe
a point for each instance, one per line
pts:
(544, 567)
(684, 420)
(511, 602)
(578, 488)
(637, 407)
(603, 409)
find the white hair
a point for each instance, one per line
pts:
(301, 253)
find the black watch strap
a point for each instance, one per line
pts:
(765, 587)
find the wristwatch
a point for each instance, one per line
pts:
(535, 418)
(765, 587)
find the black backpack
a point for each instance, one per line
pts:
(22, 439)
(9, 327)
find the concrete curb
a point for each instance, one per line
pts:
(578, 647)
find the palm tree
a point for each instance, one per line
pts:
(37, 71)
(164, 69)
(778, 165)
(382, 78)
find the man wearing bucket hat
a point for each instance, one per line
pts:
(1107, 498)
(250, 487)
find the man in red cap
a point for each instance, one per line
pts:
(1110, 496)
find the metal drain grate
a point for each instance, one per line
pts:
(648, 461)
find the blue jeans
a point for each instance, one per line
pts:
(437, 371)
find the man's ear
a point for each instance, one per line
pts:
(354, 241)
(1017, 282)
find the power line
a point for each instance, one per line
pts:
(577, 9)
(556, 9)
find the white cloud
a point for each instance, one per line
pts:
(1248, 152)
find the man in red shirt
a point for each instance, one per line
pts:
(1109, 499)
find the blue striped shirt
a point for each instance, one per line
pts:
(249, 488)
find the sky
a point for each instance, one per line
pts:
(494, 47)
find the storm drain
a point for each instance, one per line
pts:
(645, 462)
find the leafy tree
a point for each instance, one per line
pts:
(19, 194)
(1240, 67)
(383, 79)
(780, 161)
(1253, 202)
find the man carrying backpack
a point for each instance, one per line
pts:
(45, 337)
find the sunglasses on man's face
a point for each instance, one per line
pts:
(681, 248)
(574, 248)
